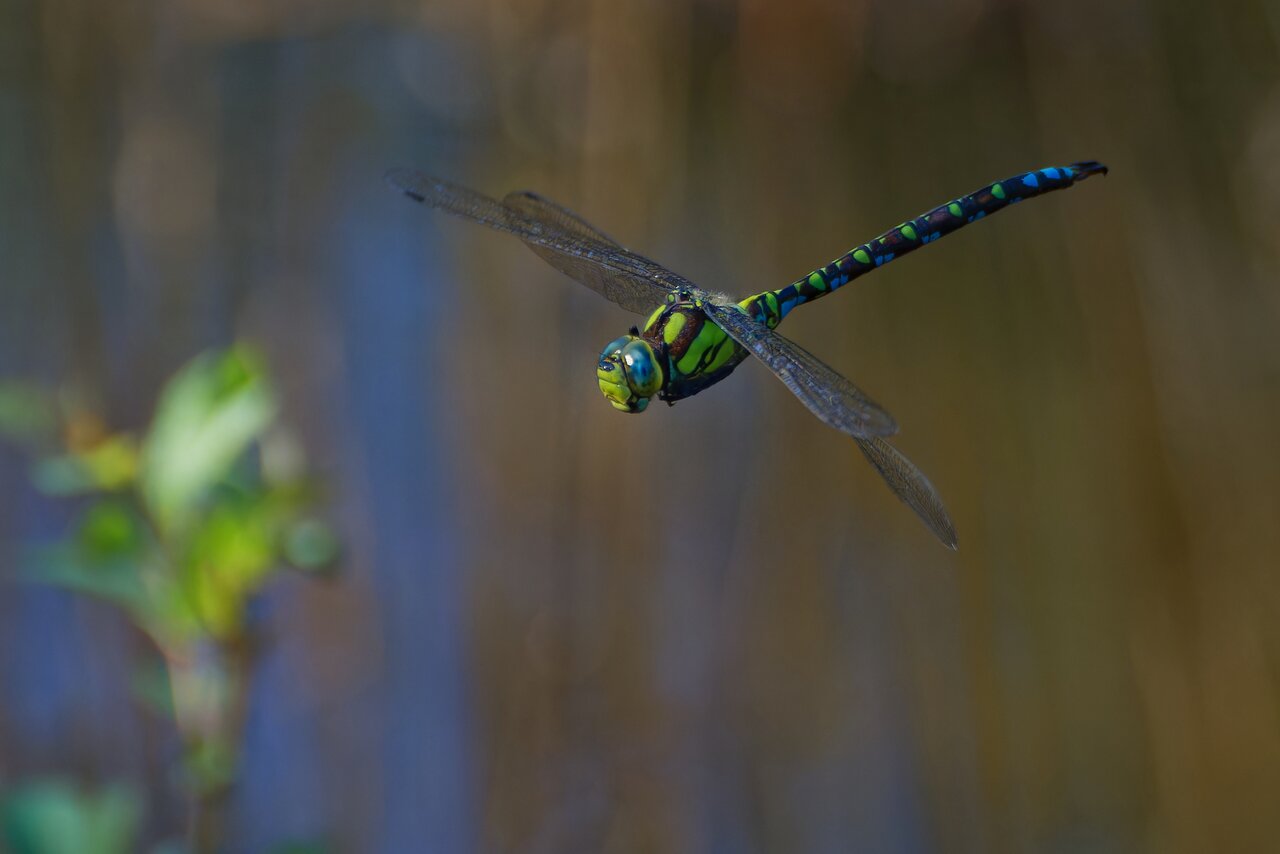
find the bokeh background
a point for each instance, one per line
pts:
(710, 628)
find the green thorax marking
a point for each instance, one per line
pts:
(695, 352)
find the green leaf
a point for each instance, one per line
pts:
(57, 817)
(112, 557)
(207, 417)
(61, 475)
(113, 580)
(232, 552)
(111, 529)
(107, 466)
(235, 539)
(310, 545)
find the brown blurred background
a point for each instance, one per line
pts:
(709, 628)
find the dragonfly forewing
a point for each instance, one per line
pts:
(539, 208)
(563, 240)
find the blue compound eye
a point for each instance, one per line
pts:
(615, 345)
(644, 375)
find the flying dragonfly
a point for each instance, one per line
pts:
(693, 338)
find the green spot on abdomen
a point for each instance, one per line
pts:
(997, 190)
(816, 281)
(908, 232)
(861, 256)
(955, 209)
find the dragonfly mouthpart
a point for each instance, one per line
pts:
(629, 373)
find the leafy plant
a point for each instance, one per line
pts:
(181, 528)
(56, 817)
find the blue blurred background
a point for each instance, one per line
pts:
(710, 628)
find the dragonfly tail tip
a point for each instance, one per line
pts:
(1084, 168)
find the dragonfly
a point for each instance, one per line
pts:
(693, 338)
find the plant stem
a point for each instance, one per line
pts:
(210, 700)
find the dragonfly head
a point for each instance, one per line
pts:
(629, 372)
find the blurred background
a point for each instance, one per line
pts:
(711, 628)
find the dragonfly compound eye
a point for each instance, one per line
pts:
(640, 363)
(629, 373)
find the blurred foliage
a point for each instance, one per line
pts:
(183, 527)
(57, 817)
(205, 420)
(180, 528)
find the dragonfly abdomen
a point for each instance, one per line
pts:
(772, 306)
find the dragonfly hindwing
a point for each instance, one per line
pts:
(910, 485)
(827, 394)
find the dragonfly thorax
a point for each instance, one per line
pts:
(629, 372)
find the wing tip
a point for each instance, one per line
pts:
(941, 528)
(911, 487)
(883, 425)
(400, 179)
(939, 523)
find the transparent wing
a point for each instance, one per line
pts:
(559, 237)
(843, 405)
(828, 395)
(910, 485)
(541, 209)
